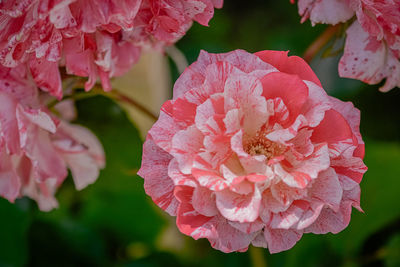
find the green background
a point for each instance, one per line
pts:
(113, 222)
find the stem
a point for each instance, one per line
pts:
(76, 96)
(320, 42)
(114, 94)
(257, 257)
(177, 57)
(124, 98)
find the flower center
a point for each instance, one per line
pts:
(260, 145)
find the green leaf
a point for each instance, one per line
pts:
(14, 225)
(392, 252)
(98, 224)
(117, 202)
(379, 193)
(64, 243)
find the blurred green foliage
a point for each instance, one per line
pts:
(113, 222)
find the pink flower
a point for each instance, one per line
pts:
(325, 11)
(91, 38)
(372, 49)
(251, 150)
(36, 148)
(167, 21)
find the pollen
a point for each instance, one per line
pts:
(261, 145)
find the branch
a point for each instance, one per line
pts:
(320, 42)
(177, 57)
(98, 90)
(117, 95)
(257, 257)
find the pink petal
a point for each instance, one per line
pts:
(327, 189)
(271, 205)
(38, 117)
(43, 193)
(47, 76)
(194, 75)
(331, 221)
(61, 16)
(201, 10)
(285, 195)
(154, 171)
(191, 223)
(332, 129)
(352, 116)
(240, 208)
(304, 171)
(286, 219)
(369, 65)
(178, 177)
(229, 238)
(259, 241)
(10, 183)
(210, 179)
(244, 93)
(310, 215)
(165, 127)
(316, 104)
(290, 65)
(203, 201)
(217, 3)
(86, 138)
(185, 146)
(279, 240)
(9, 126)
(80, 61)
(82, 153)
(289, 88)
(353, 168)
(251, 164)
(83, 168)
(325, 11)
(248, 227)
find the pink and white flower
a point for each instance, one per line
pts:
(91, 38)
(372, 49)
(36, 148)
(251, 150)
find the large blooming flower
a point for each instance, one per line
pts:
(372, 49)
(36, 148)
(251, 150)
(91, 38)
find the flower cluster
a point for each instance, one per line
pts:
(251, 150)
(372, 48)
(91, 38)
(36, 148)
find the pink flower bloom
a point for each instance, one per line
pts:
(372, 49)
(168, 21)
(91, 38)
(325, 11)
(251, 150)
(369, 60)
(36, 148)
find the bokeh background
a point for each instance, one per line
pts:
(114, 223)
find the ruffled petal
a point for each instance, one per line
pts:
(157, 184)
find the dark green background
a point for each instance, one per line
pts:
(114, 223)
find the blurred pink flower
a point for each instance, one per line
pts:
(91, 38)
(325, 11)
(251, 150)
(372, 49)
(36, 148)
